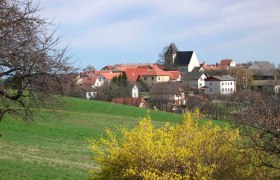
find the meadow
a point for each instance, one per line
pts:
(54, 145)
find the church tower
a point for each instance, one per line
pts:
(170, 56)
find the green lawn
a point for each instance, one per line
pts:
(56, 148)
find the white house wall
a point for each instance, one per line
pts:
(220, 87)
(193, 62)
(135, 92)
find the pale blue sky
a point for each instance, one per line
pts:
(103, 32)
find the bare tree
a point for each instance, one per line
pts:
(161, 56)
(89, 68)
(243, 76)
(259, 117)
(31, 65)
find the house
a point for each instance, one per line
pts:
(175, 76)
(137, 102)
(153, 76)
(124, 67)
(180, 60)
(195, 80)
(108, 75)
(220, 85)
(264, 77)
(168, 93)
(88, 91)
(198, 69)
(225, 63)
(133, 74)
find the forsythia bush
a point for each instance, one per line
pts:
(183, 151)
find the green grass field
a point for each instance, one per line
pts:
(54, 146)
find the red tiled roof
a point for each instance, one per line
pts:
(124, 67)
(89, 81)
(155, 72)
(109, 75)
(134, 73)
(174, 75)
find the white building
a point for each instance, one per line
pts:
(220, 85)
(183, 61)
(194, 80)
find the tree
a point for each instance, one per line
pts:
(259, 119)
(30, 63)
(182, 151)
(161, 56)
(243, 77)
(89, 68)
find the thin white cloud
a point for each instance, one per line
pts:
(177, 20)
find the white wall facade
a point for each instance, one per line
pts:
(220, 87)
(135, 92)
(197, 83)
(232, 64)
(193, 62)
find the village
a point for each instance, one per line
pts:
(169, 86)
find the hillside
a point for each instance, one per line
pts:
(54, 145)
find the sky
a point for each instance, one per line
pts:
(108, 32)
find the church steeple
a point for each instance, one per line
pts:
(170, 56)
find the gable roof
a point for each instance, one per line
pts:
(263, 68)
(174, 75)
(220, 78)
(225, 62)
(193, 75)
(130, 101)
(155, 72)
(88, 88)
(172, 49)
(89, 81)
(109, 75)
(133, 74)
(167, 88)
(183, 57)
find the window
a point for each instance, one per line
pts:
(158, 78)
(200, 84)
(222, 89)
(153, 78)
(230, 83)
(222, 84)
(210, 89)
(210, 83)
(145, 78)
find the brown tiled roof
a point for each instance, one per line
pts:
(89, 80)
(88, 88)
(130, 101)
(225, 62)
(167, 88)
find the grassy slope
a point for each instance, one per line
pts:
(52, 148)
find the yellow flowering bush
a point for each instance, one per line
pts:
(182, 151)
